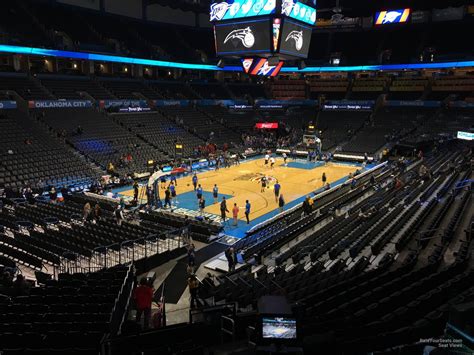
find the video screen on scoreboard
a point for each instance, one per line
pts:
(233, 9)
(295, 39)
(392, 16)
(260, 67)
(278, 328)
(242, 37)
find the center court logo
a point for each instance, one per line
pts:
(297, 36)
(245, 35)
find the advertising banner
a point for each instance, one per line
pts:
(59, 104)
(262, 103)
(7, 105)
(159, 103)
(392, 16)
(401, 103)
(267, 125)
(122, 103)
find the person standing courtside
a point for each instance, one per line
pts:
(195, 181)
(215, 193)
(202, 205)
(276, 189)
(281, 203)
(235, 214)
(247, 210)
(224, 209)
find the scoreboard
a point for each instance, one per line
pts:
(280, 29)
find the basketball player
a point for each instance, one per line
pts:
(272, 162)
(324, 179)
(199, 192)
(267, 157)
(264, 183)
(285, 157)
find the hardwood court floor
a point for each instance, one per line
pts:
(242, 182)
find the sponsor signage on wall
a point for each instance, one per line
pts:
(59, 104)
(7, 105)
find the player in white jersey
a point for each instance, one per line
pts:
(266, 159)
(272, 162)
(285, 157)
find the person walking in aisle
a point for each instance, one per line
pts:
(143, 296)
(118, 215)
(193, 284)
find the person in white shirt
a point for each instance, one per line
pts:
(272, 162)
(285, 157)
(266, 159)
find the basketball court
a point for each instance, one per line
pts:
(243, 182)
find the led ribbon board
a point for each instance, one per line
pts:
(229, 10)
(392, 16)
(159, 63)
(298, 11)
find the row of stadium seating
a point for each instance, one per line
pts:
(349, 290)
(77, 86)
(31, 157)
(69, 315)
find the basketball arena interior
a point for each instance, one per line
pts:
(210, 177)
